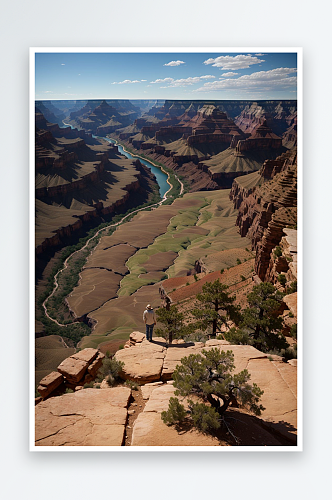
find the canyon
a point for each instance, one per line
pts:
(236, 222)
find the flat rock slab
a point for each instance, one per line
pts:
(89, 417)
(279, 383)
(216, 343)
(148, 388)
(150, 430)
(142, 363)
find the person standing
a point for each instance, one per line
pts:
(149, 319)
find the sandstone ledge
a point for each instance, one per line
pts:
(90, 417)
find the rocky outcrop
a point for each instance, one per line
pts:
(78, 369)
(283, 259)
(261, 138)
(93, 417)
(142, 363)
(49, 383)
(277, 379)
(279, 115)
(266, 210)
(89, 417)
(134, 338)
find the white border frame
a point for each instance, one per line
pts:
(124, 449)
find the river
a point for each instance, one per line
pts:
(161, 177)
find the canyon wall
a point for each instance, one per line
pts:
(266, 209)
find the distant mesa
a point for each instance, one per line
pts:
(208, 140)
(79, 179)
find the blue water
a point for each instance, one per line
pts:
(160, 175)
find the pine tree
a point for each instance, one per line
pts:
(173, 321)
(261, 326)
(209, 376)
(215, 307)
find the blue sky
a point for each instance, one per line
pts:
(190, 75)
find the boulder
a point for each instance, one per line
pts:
(89, 417)
(291, 302)
(136, 337)
(96, 364)
(49, 383)
(142, 363)
(73, 369)
(87, 355)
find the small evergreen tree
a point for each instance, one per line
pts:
(173, 324)
(215, 307)
(260, 325)
(209, 376)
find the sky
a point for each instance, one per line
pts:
(185, 75)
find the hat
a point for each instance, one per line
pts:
(148, 306)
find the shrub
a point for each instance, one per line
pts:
(242, 278)
(277, 252)
(238, 261)
(68, 391)
(133, 385)
(293, 331)
(282, 279)
(292, 288)
(111, 369)
(175, 413)
(88, 385)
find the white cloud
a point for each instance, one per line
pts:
(174, 63)
(260, 55)
(62, 64)
(207, 77)
(143, 80)
(230, 73)
(126, 81)
(261, 80)
(48, 92)
(163, 80)
(233, 62)
(182, 82)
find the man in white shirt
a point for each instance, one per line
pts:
(149, 319)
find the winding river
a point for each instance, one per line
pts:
(161, 176)
(164, 187)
